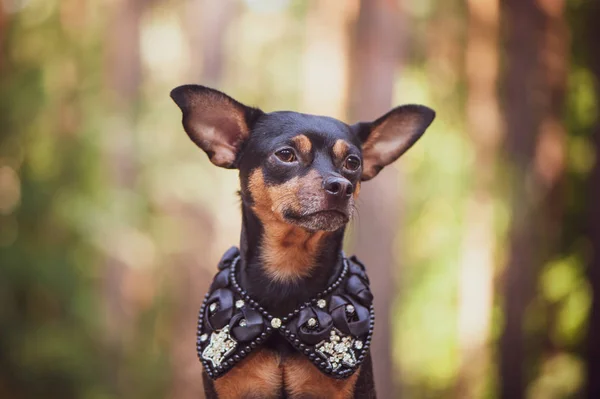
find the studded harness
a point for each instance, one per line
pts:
(333, 330)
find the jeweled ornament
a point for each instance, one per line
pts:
(337, 351)
(220, 346)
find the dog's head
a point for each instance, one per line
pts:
(303, 170)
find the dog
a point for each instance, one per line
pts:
(300, 176)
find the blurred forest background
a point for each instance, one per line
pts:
(483, 241)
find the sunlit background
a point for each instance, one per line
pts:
(483, 242)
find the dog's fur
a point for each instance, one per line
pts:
(300, 176)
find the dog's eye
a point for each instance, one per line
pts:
(352, 163)
(286, 155)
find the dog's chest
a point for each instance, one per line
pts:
(266, 374)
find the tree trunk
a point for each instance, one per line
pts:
(535, 82)
(375, 57)
(192, 270)
(477, 268)
(194, 265)
(326, 70)
(123, 79)
(207, 23)
(593, 215)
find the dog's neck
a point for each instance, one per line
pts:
(311, 261)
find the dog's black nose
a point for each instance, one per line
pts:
(338, 186)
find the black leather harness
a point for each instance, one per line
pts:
(333, 330)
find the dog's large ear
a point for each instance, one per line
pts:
(385, 139)
(215, 122)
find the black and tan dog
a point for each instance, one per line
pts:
(300, 177)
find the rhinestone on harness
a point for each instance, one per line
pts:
(275, 322)
(337, 351)
(220, 346)
(322, 303)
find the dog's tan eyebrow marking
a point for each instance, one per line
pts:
(340, 148)
(303, 144)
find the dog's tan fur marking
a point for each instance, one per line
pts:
(303, 144)
(302, 379)
(264, 373)
(288, 251)
(340, 149)
(257, 376)
(356, 190)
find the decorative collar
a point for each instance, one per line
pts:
(333, 330)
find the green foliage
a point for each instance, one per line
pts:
(52, 336)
